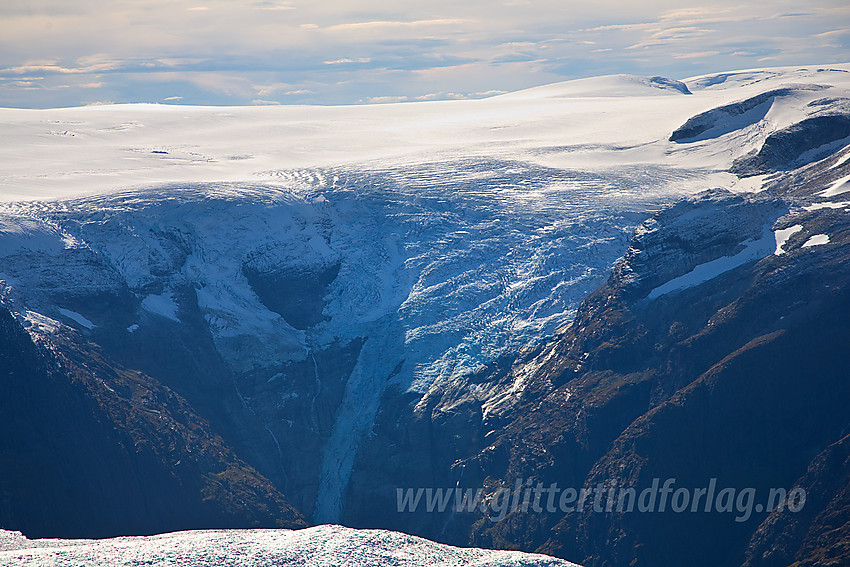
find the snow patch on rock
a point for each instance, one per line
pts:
(782, 236)
(162, 304)
(77, 318)
(816, 240)
(840, 186)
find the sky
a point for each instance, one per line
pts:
(56, 53)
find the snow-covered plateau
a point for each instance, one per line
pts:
(331, 255)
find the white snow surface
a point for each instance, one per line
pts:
(782, 236)
(77, 318)
(319, 546)
(619, 119)
(816, 240)
(841, 161)
(162, 304)
(829, 205)
(837, 188)
(463, 230)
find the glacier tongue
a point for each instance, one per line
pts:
(361, 400)
(439, 267)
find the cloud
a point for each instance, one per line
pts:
(696, 12)
(383, 24)
(271, 5)
(387, 99)
(347, 60)
(833, 33)
(23, 85)
(696, 55)
(335, 51)
(672, 35)
(36, 67)
(284, 89)
(181, 61)
(490, 93)
(705, 15)
(622, 27)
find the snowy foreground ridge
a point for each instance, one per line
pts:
(324, 545)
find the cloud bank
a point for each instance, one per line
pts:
(55, 53)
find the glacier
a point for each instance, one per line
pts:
(442, 236)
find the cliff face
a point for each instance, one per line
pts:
(818, 534)
(93, 449)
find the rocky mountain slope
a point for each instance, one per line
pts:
(93, 448)
(254, 339)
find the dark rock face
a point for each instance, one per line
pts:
(671, 84)
(727, 118)
(716, 428)
(818, 534)
(807, 141)
(297, 294)
(99, 450)
(295, 404)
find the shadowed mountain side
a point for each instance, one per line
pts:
(99, 450)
